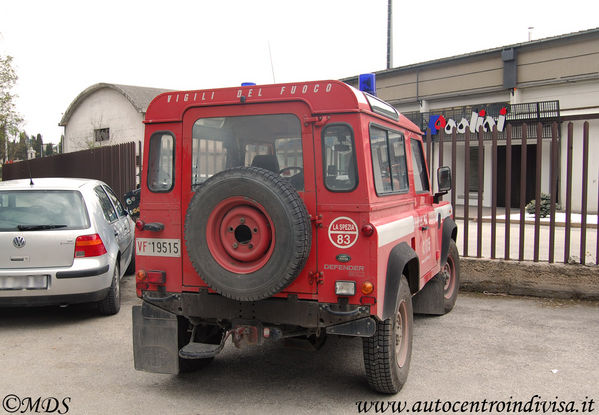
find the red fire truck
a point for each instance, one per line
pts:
(280, 211)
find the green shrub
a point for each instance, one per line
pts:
(545, 207)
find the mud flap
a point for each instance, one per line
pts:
(155, 343)
(429, 300)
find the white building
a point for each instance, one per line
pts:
(545, 80)
(106, 114)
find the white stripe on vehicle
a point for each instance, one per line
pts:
(393, 231)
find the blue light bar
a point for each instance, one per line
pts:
(367, 83)
(248, 83)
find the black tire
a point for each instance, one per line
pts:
(387, 354)
(450, 275)
(275, 205)
(206, 334)
(131, 268)
(111, 304)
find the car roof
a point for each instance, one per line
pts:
(47, 183)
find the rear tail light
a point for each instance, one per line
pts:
(144, 279)
(89, 246)
(367, 288)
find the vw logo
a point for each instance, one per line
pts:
(18, 241)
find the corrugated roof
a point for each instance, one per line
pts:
(139, 96)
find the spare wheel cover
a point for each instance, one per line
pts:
(247, 233)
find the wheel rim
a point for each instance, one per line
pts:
(401, 335)
(449, 277)
(240, 235)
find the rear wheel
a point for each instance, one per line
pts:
(387, 354)
(111, 304)
(450, 275)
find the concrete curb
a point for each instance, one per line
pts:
(530, 278)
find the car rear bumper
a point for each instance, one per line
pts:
(44, 300)
(88, 279)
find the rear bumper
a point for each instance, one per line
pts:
(88, 279)
(212, 308)
(41, 300)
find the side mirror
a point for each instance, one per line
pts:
(444, 179)
(443, 182)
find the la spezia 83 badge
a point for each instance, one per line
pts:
(343, 232)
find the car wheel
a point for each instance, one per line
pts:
(387, 354)
(112, 303)
(248, 233)
(450, 275)
(131, 268)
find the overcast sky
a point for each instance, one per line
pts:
(62, 47)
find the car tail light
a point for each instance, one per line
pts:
(89, 246)
(367, 288)
(141, 281)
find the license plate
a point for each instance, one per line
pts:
(158, 247)
(24, 282)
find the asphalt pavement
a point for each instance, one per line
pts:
(490, 348)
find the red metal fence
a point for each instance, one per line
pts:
(495, 226)
(114, 165)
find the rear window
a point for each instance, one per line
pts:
(271, 141)
(22, 210)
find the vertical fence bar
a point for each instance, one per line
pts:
(466, 188)
(429, 140)
(585, 183)
(441, 137)
(553, 178)
(522, 191)
(494, 192)
(538, 192)
(453, 168)
(568, 193)
(508, 189)
(481, 183)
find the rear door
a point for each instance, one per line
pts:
(276, 135)
(38, 228)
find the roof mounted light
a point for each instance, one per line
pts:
(367, 83)
(248, 83)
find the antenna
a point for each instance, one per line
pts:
(29, 170)
(272, 68)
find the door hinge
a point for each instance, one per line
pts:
(316, 278)
(316, 220)
(318, 120)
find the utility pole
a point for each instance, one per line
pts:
(390, 34)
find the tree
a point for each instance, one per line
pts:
(49, 150)
(38, 146)
(22, 146)
(9, 118)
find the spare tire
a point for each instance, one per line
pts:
(247, 233)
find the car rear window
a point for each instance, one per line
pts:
(22, 210)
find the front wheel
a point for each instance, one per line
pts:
(387, 354)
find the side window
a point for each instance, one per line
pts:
(339, 159)
(161, 162)
(388, 161)
(115, 201)
(107, 208)
(419, 166)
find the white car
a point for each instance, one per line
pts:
(63, 241)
